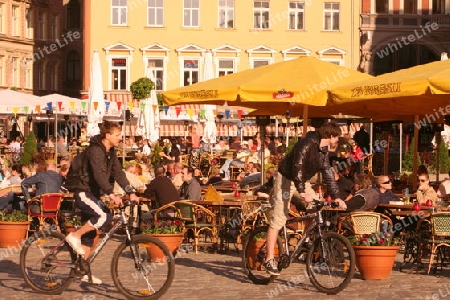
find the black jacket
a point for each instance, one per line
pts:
(103, 168)
(305, 160)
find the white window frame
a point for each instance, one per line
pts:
(2, 16)
(191, 12)
(40, 71)
(41, 25)
(296, 11)
(55, 27)
(261, 11)
(331, 11)
(154, 10)
(226, 70)
(333, 55)
(339, 61)
(155, 69)
(28, 74)
(15, 72)
(2, 71)
(109, 59)
(183, 59)
(256, 59)
(15, 20)
(119, 10)
(28, 23)
(224, 14)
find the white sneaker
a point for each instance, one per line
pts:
(95, 280)
(75, 243)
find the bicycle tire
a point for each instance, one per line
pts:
(254, 255)
(37, 262)
(332, 274)
(155, 276)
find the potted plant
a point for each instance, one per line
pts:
(14, 226)
(71, 223)
(170, 232)
(254, 246)
(375, 254)
(141, 88)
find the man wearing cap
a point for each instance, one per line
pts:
(238, 161)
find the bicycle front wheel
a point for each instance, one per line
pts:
(47, 262)
(255, 254)
(331, 263)
(138, 273)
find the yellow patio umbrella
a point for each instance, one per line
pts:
(303, 80)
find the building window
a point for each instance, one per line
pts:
(53, 71)
(438, 6)
(226, 13)
(40, 75)
(73, 67)
(119, 74)
(155, 13)
(73, 14)
(41, 29)
(54, 27)
(297, 15)
(15, 82)
(28, 75)
(2, 12)
(261, 11)
(382, 6)
(119, 12)
(190, 71)
(2, 60)
(331, 16)
(157, 67)
(255, 63)
(28, 24)
(15, 21)
(225, 67)
(191, 13)
(410, 7)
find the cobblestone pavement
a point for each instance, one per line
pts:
(220, 276)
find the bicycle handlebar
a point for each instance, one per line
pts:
(320, 204)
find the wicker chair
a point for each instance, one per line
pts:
(439, 238)
(359, 223)
(48, 208)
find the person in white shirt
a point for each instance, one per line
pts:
(146, 148)
(14, 146)
(444, 187)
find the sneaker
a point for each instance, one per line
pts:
(95, 280)
(75, 243)
(270, 267)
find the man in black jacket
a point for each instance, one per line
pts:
(103, 168)
(309, 156)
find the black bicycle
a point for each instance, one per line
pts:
(49, 264)
(330, 258)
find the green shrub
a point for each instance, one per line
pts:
(29, 149)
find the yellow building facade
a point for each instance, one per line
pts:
(173, 36)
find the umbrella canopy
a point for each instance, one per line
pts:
(19, 103)
(64, 104)
(210, 131)
(303, 80)
(96, 108)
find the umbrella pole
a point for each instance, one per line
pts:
(416, 146)
(401, 146)
(123, 137)
(305, 120)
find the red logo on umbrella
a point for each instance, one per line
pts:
(282, 94)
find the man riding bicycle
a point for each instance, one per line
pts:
(309, 156)
(102, 169)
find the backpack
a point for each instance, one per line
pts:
(78, 174)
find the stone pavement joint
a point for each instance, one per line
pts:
(220, 276)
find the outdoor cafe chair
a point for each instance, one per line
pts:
(360, 223)
(439, 239)
(44, 209)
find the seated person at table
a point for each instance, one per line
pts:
(190, 190)
(366, 198)
(176, 178)
(384, 188)
(444, 187)
(48, 181)
(425, 191)
(253, 177)
(238, 161)
(265, 189)
(345, 185)
(161, 190)
(8, 197)
(133, 179)
(214, 178)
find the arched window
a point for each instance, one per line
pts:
(73, 67)
(73, 14)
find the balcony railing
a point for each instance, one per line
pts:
(370, 21)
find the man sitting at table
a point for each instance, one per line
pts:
(444, 187)
(190, 189)
(161, 190)
(384, 188)
(425, 191)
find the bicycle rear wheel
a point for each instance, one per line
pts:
(331, 263)
(255, 254)
(47, 262)
(145, 277)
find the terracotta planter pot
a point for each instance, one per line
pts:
(12, 233)
(253, 249)
(375, 262)
(172, 241)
